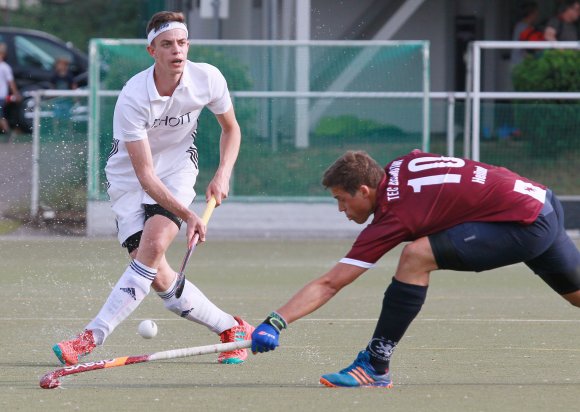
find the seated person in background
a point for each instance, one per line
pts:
(525, 30)
(62, 78)
(562, 27)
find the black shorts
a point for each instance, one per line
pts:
(132, 242)
(543, 246)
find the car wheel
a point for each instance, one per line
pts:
(26, 114)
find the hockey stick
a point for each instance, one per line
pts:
(181, 277)
(51, 379)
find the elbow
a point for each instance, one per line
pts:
(337, 278)
(330, 287)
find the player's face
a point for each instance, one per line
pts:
(357, 208)
(169, 50)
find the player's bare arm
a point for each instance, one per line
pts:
(142, 162)
(307, 300)
(230, 140)
(319, 291)
(15, 92)
(151, 175)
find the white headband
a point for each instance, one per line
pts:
(164, 27)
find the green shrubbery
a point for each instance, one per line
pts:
(352, 128)
(551, 71)
(551, 127)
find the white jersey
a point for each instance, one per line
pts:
(6, 77)
(169, 122)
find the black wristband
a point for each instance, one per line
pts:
(276, 321)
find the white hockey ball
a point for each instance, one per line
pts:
(147, 329)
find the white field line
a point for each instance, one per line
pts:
(458, 320)
(446, 320)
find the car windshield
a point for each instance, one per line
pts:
(38, 52)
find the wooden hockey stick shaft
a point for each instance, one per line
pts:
(51, 379)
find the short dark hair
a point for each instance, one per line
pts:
(352, 170)
(162, 17)
(528, 8)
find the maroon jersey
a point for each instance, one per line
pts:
(425, 193)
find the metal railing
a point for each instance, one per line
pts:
(472, 97)
(474, 94)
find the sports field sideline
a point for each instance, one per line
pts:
(495, 341)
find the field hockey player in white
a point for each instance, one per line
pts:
(151, 172)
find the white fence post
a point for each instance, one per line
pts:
(34, 202)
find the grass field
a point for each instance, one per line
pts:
(495, 341)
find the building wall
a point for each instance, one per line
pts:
(444, 23)
(434, 20)
(334, 20)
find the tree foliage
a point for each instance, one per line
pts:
(77, 21)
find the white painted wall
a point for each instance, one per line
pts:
(250, 220)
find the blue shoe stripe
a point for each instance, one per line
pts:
(359, 374)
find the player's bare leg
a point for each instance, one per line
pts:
(135, 283)
(130, 290)
(158, 233)
(156, 238)
(193, 305)
(416, 263)
(403, 300)
(573, 298)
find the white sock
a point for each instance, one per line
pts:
(195, 306)
(125, 297)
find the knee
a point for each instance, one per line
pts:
(154, 247)
(416, 263)
(412, 251)
(418, 256)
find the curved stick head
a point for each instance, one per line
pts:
(49, 381)
(180, 285)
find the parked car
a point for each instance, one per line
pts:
(31, 54)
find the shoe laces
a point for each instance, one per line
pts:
(84, 343)
(233, 334)
(236, 333)
(362, 360)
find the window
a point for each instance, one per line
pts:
(39, 53)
